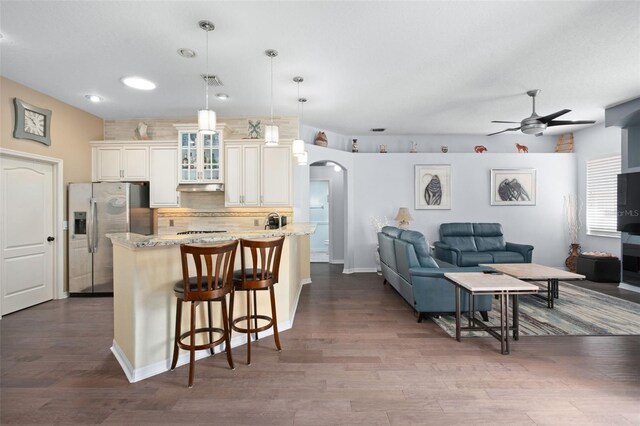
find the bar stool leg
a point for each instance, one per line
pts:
(231, 302)
(210, 325)
(227, 331)
(176, 349)
(248, 327)
(192, 344)
(255, 313)
(274, 319)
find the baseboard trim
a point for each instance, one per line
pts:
(337, 262)
(629, 287)
(138, 374)
(358, 270)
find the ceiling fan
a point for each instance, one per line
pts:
(535, 125)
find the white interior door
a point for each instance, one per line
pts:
(319, 214)
(27, 222)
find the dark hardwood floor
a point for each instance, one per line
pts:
(355, 355)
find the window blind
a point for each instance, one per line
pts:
(602, 209)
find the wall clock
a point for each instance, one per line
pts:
(32, 122)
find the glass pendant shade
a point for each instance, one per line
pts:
(303, 159)
(207, 121)
(271, 135)
(298, 147)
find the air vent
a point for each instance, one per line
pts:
(378, 129)
(212, 80)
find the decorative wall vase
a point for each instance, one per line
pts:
(414, 148)
(383, 149)
(571, 260)
(480, 149)
(255, 129)
(354, 145)
(141, 131)
(321, 139)
(522, 148)
(444, 149)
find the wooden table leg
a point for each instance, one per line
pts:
(516, 321)
(506, 322)
(458, 314)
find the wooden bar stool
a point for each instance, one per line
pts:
(210, 287)
(261, 275)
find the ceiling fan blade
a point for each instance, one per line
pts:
(505, 130)
(498, 121)
(566, 123)
(548, 118)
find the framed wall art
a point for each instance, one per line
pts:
(433, 186)
(513, 187)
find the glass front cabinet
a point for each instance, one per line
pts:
(199, 156)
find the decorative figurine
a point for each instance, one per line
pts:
(141, 131)
(354, 145)
(383, 149)
(522, 148)
(321, 139)
(444, 149)
(414, 148)
(480, 149)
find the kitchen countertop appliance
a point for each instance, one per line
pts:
(95, 209)
(275, 221)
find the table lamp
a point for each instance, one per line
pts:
(403, 217)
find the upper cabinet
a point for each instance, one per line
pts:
(257, 175)
(121, 163)
(200, 156)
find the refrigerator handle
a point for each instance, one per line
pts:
(91, 234)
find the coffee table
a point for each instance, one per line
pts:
(535, 272)
(476, 283)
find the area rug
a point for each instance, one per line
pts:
(578, 311)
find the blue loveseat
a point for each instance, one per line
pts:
(419, 278)
(469, 244)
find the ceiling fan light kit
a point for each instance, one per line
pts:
(535, 124)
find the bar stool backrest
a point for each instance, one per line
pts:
(265, 262)
(217, 279)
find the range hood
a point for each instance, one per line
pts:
(200, 187)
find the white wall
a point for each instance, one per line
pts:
(590, 144)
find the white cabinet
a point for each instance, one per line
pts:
(200, 156)
(242, 175)
(163, 176)
(276, 175)
(120, 163)
(256, 175)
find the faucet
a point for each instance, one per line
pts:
(270, 215)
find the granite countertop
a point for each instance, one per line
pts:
(131, 240)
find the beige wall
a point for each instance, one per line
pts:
(71, 131)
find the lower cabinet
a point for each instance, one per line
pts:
(163, 176)
(256, 175)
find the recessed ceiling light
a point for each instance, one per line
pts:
(222, 96)
(138, 83)
(93, 98)
(186, 53)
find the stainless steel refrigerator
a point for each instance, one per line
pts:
(96, 209)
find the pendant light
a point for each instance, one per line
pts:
(207, 117)
(298, 144)
(271, 136)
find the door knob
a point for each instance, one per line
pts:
(50, 239)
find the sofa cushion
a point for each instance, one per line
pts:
(475, 258)
(488, 236)
(391, 231)
(421, 246)
(462, 243)
(456, 229)
(506, 257)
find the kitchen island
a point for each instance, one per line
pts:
(145, 269)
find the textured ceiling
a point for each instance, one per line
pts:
(411, 67)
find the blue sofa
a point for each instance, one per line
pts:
(419, 278)
(469, 244)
